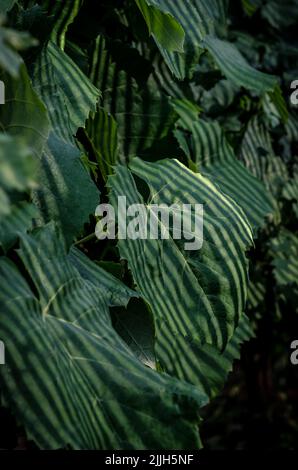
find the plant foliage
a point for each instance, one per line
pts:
(119, 344)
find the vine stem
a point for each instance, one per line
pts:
(85, 239)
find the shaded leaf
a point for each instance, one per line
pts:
(162, 25)
(102, 131)
(62, 13)
(67, 93)
(12, 41)
(143, 114)
(285, 261)
(236, 68)
(17, 177)
(259, 158)
(23, 114)
(66, 194)
(209, 152)
(197, 297)
(19, 220)
(6, 5)
(196, 22)
(112, 289)
(136, 327)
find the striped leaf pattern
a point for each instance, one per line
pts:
(202, 364)
(143, 114)
(243, 333)
(18, 171)
(163, 77)
(196, 22)
(17, 178)
(190, 312)
(18, 220)
(115, 292)
(201, 22)
(290, 191)
(6, 5)
(69, 97)
(80, 385)
(135, 325)
(209, 151)
(284, 249)
(25, 126)
(67, 93)
(162, 25)
(251, 6)
(221, 95)
(102, 130)
(258, 156)
(164, 103)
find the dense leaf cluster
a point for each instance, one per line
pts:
(119, 344)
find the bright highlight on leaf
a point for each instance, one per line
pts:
(165, 29)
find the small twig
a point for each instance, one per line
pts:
(85, 239)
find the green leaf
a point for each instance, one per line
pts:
(165, 29)
(284, 249)
(201, 21)
(112, 289)
(136, 327)
(6, 5)
(12, 41)
(197, 297)
(243, 333)
(187, 111)
(209, 152)
(102, 131)
(236, 68)
(66, 194)
(23, 114)
(143, 114)
(259, 158)
(281, 15)
(204, 363)
(220, 96)
(256, 300)
(17, 177)
(18, 167)
(4, 204)
(290, 191)
(166, 81)
(62, 13)
(292, 127)
(93, 393)
(251, 6)
(67, 93)
(19, 220)
(196, 22)
(278, 102)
